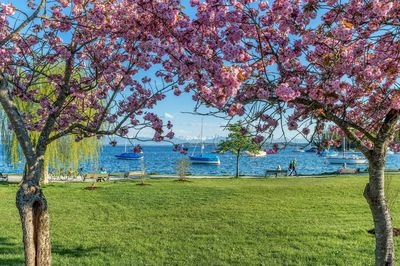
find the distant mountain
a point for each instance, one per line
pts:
(176, 140)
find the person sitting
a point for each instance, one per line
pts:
(103, 170)
(3, 177)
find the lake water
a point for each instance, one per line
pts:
(162, 160)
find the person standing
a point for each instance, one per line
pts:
(290, 168)
(294, 167)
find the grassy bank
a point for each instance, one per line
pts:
(313, 221)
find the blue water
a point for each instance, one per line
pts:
(162, 160)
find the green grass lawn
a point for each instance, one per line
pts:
(288, 221)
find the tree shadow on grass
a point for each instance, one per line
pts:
(9, 248)
(11, 254)
(77, 252)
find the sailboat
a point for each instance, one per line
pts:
(346, 158)
(130, 155)
(203, 158)
(328, 153)
(256, 154)
(298, 148)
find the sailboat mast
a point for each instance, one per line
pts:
(201, 137)
(344, 146)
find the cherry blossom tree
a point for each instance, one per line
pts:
(307, 65)
(104, 48)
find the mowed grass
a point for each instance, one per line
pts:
(288, 221)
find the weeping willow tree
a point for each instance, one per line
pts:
(61, 153)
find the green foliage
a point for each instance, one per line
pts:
(182, 168)
(238, 141)
(288, 221)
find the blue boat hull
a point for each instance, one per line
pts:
(205, 160)
(129, 156)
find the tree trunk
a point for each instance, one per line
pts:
(375, 194)
(45, 178)
(33, 210)
(237, 165)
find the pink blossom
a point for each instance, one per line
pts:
(170, 135)
(194, 2)
(137, 149)
(292, 125)
(305, 131)
(263, 5)
(8, 9)
(285, 93)
(236, 109)
(258, 139)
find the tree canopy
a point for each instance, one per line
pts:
(238, 141)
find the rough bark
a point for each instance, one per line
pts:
(45, 176)
(375, 194)
(33, 210)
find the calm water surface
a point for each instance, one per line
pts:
(162, 160)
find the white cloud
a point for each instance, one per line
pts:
(168, 115)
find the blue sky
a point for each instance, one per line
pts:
(188, 125)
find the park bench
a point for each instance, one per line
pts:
(97, 177)
(275, 172)
(3, 177)
(348, 170)
(135, 174)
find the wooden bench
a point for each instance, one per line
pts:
(97, 177)
(348, 170)
(275, 172)
(134, 174)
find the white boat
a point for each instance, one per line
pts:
(346, 158)
(298, 148)
(329, 153)
(389, 152)
(256, 154)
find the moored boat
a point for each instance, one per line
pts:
(330, 153)
(256, 154)
(129, 156)
(389, 152)
(136, 154)
(205, 159)
(312, 149)
(347, 160)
